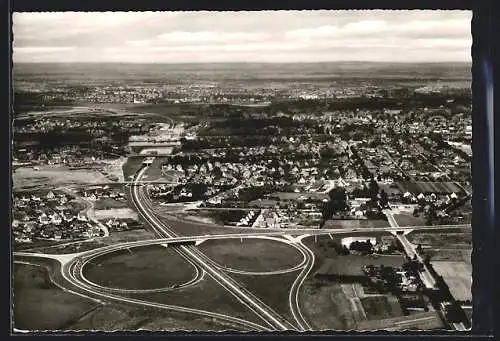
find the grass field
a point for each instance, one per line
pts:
(107, 203)
(252, 254)
(391, 189)
(419, 321)
(457, 276)
(128, 236)
(35, 245)
(121, 317)
(206, 295)
(154, 171)
(40, 305)
(355, 223)
(273, 290)
(90, 244)
(350, 265)
(381, 307)
(331, 262)
(191, 228)
(71, 247)
(131, 166)
(407, 219)
(140, 268)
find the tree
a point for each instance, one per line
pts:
(337, 201)
(328, 210)
(384, 198)
(217, 172)
(373, 189)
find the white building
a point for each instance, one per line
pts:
(349, 240)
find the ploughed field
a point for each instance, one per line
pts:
(252, 255)
(150, 267)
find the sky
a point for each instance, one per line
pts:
(262, 36)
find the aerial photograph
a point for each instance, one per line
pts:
(241, 171)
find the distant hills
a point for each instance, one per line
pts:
(102, 72)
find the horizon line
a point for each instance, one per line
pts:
(249, 62)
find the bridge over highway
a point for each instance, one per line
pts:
(425, 275)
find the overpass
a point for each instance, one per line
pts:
(409, 248)
(289, 233)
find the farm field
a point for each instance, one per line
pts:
(326, 306)
(459, 240)
(112, 213)
(40, 305)
(252, 254)
(454, 255)
(457, 276)
(371, 306)
(429, 187)
(25, 178)
(148, 267)
(445, 247)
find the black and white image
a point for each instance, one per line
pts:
(242, 171)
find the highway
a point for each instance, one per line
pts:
(72, 272)
(268, 315)
(72, 264)
(297, 284)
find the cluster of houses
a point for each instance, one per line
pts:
(97, 192)
(437, 199)
(268, 218)
(247, 220)
(116, 225)
(50, 217)
(381, 277)
(379, 163)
